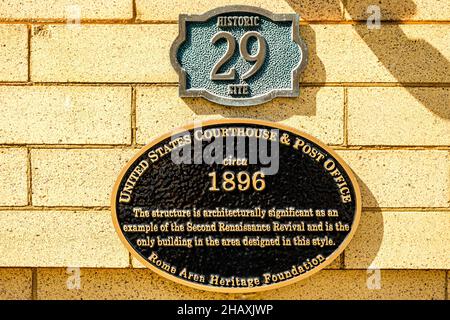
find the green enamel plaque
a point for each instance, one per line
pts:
(239, 55)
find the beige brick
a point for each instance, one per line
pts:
(60, 239)
(399, 10)
(13, 53)
(327, 284)
(13, 177)
(401, 240)
(76, 177)
(408, 178)
(318, 111)
(399, 116)
(56, 114)
(362, 285)
(103, 53)
(62, 9)
(394, 53)
(115, 284)
(15, 284)
(170, 9)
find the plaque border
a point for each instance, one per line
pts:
(206, 287)
(294, 91)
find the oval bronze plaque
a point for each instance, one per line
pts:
(236, 205)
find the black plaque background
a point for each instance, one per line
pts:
(301, 182)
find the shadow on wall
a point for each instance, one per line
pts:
(367, 240)
(408, 60)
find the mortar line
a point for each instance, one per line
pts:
(339, 147)
(387, 22)
(376, 84)
(345, 117)
(175, 84)
(133, 116)
(406, 209)
(391, 147)
(131, 21)
(107, 208)
(29, 179)
(54, 208)
(34, 284)
(342, 262)
(63, 21)
(29, 27)
(134, 11)
(446, 285)
(68, 146)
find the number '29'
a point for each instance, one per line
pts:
(258, 57)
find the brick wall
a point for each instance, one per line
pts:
(76, 102)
